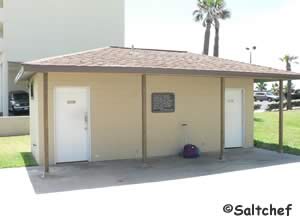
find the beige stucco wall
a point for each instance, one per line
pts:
(197, 104)
(116, 113)
(36, 118)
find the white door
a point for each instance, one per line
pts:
(233, 118)
(71, 124)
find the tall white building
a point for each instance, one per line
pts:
(33, 29)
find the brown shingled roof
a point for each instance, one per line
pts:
(117, 59)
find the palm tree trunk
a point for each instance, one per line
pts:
(207, 38)
(217, 37)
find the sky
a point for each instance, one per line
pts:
(270, 25)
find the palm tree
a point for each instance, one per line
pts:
(204, 13)
(275, 88)
(288, 60)
(210, 12)
(221, 13)
(261, 86)
(286, 88)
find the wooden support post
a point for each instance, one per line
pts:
(144, 118)
(46, 127)
(222, 118)
(281, 116)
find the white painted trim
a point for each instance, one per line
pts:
(243, 117)
(54, 125)
(89, 138)
(243, 103)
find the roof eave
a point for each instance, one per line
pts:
(23, 75)
(31, 69)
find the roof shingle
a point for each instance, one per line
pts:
(151, 59)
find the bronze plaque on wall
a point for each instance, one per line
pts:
(163, 102)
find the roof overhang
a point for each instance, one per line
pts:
(28, 70)
(23, 75)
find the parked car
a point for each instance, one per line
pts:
(18, 102)
(265, 96)
(296, 94)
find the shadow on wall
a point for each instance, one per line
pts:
(68, 177)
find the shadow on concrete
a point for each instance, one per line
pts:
(28, 159)
(78, 176)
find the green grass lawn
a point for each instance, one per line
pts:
(15, 152)
(266, 131)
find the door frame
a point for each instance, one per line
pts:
(89, 151)
(243, 104)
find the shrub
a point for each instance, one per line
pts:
(275, 106)
(257, 106)
(296, 103)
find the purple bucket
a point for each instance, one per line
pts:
(190, 151)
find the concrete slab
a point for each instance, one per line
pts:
(67, 177)
(169, 189)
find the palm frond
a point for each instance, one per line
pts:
(210, 11)
(293, 58)
(289, 58)
(225, 14)
(195, 12)
(198, 16)
(220, 4)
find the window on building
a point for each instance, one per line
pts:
(1, 3)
